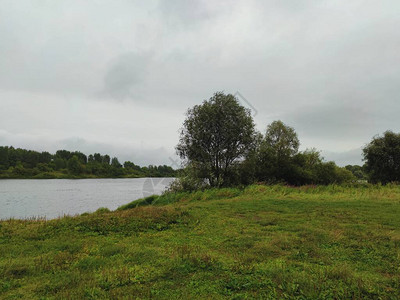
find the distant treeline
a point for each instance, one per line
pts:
(21, 163)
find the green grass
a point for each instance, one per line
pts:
(262, 242)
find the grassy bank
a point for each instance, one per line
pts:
(261, 242)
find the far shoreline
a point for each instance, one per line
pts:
(79, 177)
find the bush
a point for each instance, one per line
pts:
(382, 156)
(189, 179)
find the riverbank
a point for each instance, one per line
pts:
(59, 175)
(28, 164)
(65, 175)
(260, 242)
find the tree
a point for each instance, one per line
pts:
(215, 135)
(106, 159)
(19, 169)
(358, 171)
(4, 158)
(30, 158)
(98, 158)
(282, 140)
(64, 154)
(74, 165)
(116, 168)
(59, 163)
(305, 166)
(131, 165)
(277, 149)
(382, 158)
(115, 163)
(45, 157)
(82, 157)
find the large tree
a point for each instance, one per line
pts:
(215, 135)
(277, 149)
(382, 158)
(282, 139)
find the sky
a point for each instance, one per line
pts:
(118, 76)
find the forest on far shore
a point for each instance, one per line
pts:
(22, 163)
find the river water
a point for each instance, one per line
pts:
(52, 198)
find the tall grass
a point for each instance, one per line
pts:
(262, 242)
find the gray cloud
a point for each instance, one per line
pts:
(330, 69)
(345, 158)
(333, 121)
(181, 13)
(125, 74)
(141, 154)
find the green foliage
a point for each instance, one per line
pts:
(106, 159)
(130, 165)
(74, 165)
(4, 162)
(282, 140)
(277, 160)
(115, 163)
(358, 171)
(98, 158)
(382, 158)
(214, 136)
(276, 152)
(272, 158)
(19, 169)
(189, 179)
(59, 163)
(328, 173)
(261, 242)
(21, 163)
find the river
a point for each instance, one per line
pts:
(53, 198)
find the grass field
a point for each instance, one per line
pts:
(263, 242)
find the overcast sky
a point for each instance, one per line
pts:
(117, 77)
